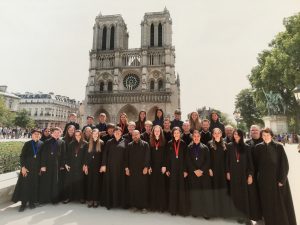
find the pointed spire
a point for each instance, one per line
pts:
(100, 14)
(165, 9)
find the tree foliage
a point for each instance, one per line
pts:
(278, 70)
(22, 119)
(246, 105)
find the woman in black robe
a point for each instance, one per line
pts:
(26, 189)
(159, 117)
(239, 168)
(274, 189)
(45, 134)
(140, 124)
(177, 173)
(123, 123)
(113, 167)
(167, 130)
(93, 159)
(186, 135)
(217, 173)
(68, 138)
(74, 167)
(157, 170)
(200, 189)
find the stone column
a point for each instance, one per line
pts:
(155, 34)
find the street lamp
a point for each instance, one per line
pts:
(296, 92)
(237, 117)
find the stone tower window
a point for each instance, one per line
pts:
(152, 85)
(109, 86)
(152, 35)
(104, 38)
(101, 86)
(159, 35)
(160, 85)
(112, 38)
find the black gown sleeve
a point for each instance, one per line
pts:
(206, 165)
(147, 155)
(105, 154)
(23, 155)
(283, 164)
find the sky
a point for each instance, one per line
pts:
(45, 44)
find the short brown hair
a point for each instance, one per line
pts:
(267, 130)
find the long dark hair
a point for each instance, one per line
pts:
(67, 137)
(241, 142)
(162, 116)
(139, 120)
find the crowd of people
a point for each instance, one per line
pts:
(14, 133)
(198, 168)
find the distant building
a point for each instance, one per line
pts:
(129, 80)
(11, 100)
(48, 110)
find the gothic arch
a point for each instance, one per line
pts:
(101, 110)
(160, 35)
(130, 110)
(152, 35)
(104, 35)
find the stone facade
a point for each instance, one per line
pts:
(11, 100)
(48, 110)
(130, 80)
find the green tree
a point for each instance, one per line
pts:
(278, 70)
(250, 113)
(6, 116)
(22, 119)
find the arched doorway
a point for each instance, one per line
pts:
(131, 112)
(96, 115)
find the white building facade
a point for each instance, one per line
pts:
(11, 100)
(130, 80)
(48, 110)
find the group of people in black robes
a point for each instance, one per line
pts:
(197, 168)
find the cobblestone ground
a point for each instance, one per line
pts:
(80, 214)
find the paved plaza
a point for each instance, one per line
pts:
(80, 214)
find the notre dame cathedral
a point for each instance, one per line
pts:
(130, 80)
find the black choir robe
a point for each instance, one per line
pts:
(168, 136)
(205, 137)
(106, 138)
(27, 188)
(114, 186)
(222, 206)
(74, 181)
(217, 124)
(178, 196)
(138, 157)
(200, 188)
(93, 160)
(239, 167)
(187, 138)
(253, 192)
(273, 167)
(52, 157)
(145, 137)
(140, 126)
(127, 137)
(158, 198)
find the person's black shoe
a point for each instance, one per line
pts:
(96, 204)
(22, 208)
(206, 217)
(82, 201)
(31, 205)
(241, 221)
(90, 204)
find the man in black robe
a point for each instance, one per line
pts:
(228, 134)
(186, 135)
(274, 189)
(205, 133)
(177, 122)
(52, 168)
(101, 126)
(72, 119)
(113, 167)
(146, 135)
(137, 165)
(27, 185)
(90, 123)
(254, 203)
(167, 130)
(109, 133)
(215, 123)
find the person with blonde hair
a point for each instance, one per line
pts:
(123, 123)
(92, 166)
(195, 122)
